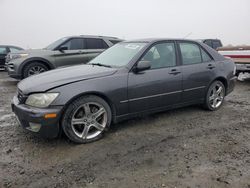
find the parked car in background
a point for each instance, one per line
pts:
(66, 51)
(129, 79)
(240, 55)
(4, 50)
(213, 43)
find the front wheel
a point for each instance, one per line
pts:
(34, 68)
(86, 119)
(215, 96)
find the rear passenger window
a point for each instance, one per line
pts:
(205, 56)
(95, 43)
(190, 53)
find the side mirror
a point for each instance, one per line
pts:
(63, 48)
(142, 65)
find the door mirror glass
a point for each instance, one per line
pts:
(63, 48)
(142, 65)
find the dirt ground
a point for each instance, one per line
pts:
(187, 147)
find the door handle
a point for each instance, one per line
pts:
(210, 66)
(174, 72)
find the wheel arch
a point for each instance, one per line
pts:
(30, 60)
(222, 79)
(95, 93)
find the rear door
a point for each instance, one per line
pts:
(75, 53)
(3, 53)
(95, 46)
(198, 69)
(159, 86)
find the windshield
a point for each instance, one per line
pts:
(118, 55)
(53, 45)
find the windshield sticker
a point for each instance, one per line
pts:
(132, 46)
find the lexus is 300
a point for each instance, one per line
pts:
(129, 79)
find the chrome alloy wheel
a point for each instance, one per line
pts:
(35, 70)
(216, 95)
(89, 120)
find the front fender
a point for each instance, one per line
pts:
(112, 88)
(31, 59)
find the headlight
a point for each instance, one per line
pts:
(16, 56)
(41, 100)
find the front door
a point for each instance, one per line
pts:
(75, 53)
(159, 86)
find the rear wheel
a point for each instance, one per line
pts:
(215, 96)
(34, 68)
(86, 119)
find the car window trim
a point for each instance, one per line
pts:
(200, 47)
(149, 47)
(69, 40)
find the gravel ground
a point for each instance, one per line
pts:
(187, 147)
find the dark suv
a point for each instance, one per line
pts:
(63, 52)
(213, 43)
(4, 50)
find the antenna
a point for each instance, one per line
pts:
(188, 35)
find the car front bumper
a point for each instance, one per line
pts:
(33, 119)
(12, 71)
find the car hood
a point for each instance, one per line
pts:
(62, 76)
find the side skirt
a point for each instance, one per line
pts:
(120, 118)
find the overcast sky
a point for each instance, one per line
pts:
(36, 23)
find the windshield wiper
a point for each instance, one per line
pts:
(101, 65)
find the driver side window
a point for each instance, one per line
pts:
(75, 44)
(161, 55)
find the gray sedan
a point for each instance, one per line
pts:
(129, 79)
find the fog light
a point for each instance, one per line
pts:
(35, 127)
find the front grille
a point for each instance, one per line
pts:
(21, 97)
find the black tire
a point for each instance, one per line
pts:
(209, 105)
(72, 110)
(34, 65)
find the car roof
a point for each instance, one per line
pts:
(95, 36)
(151, 40)
(207, 39)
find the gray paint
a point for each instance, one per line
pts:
(130, 93)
